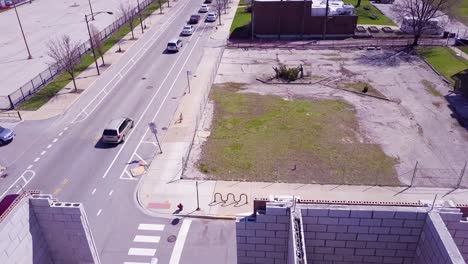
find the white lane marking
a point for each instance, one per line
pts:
(50, 145)
(160, 106)
(20, 186)
(152, 227)
(29, 167)
(36, 159)
(60, 134)
(93, 191)
(55, 140)
(177, 251)
(43, 152)
(119, 74)
(138, 156)
(137, 263)
(110, 193)
(99, 212)
(66, 128)
(142, 252)
(147, 239)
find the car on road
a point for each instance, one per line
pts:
(6, 135)
(188, 30)
(208, 1)
(194, 19)
(174, 45)
(211, 17)
(117, 130)
(204, 8)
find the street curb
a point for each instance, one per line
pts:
(208, 216)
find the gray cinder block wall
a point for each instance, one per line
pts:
(40, 230)
(457, 225)
(353, 234)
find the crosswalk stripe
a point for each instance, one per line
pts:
(152, 227)
(147, 239)
(136, 263)
(141, 251)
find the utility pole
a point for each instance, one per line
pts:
(160, 7)
(152, 126)
(325, 20)
(139, 14)
(91, 8)
(198, 200)
(92, 46)
(22, 32)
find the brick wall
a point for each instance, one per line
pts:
(21, 239)
(458, 228)
(436, 244)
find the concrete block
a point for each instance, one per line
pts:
(281, 248)
(315, 257)
(280, 261)
(349, 221)
(413, 223)
(337, 228)
(316, 243)
(277, 210)
(240, 224)
(355, 244)
(327, 220)
(316, 228)
(399, 246)
(355, 259)
(356, 213)
(264, 260)
(376, 245)
(254, 225)
(276, 255)
(274, 226)
(310, 220)
(265, 247)
(372, 259)
(344, 251)
(246, 247)
(241, 253)
(317, 212)
(383, 214)
(263, 233)
(242, 240)
(71, 224)
(366, 237)
(309, 235)
(72, 210)
(266, 218)
(346, 236)
(282, 234)
(404, 253)
(255, 240)
(76, 218)
(245, 233)
(324, 250)
(392, 222)
(400, 231)
(277, 241)
(333, 257)
(379, 230)
(416, 231)
(365, 252)
(449, 217)
(339, 212)
(406, 215)
(395, 260)
(62, 217)
(255, 253)
(461, 233)
(324, 235)
(409, 239)
(388, 238)
(422, 215)
(245, 260)
(283, 219)
(358, 229)
(370, 222)
(385, 252)
(335, 243)
(40, 202)
(412, 246)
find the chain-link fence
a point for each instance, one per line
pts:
(448, 177)
(45, 77)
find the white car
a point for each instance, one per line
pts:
(174, 45)
(203, 9)
(188, 30)
(211, 17)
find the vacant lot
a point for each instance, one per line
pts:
(263, 132)
(266, 138)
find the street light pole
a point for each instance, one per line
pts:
(22, 32)
(198, 200)
(91, 8)
(188, 80)
(92, 46)
(139, 13)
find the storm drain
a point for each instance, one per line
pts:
(171, 239)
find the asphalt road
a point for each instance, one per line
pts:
(64, 155)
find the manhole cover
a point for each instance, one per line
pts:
(171, 238)
(149, 87)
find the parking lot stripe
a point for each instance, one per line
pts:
(142, 251)
(152, 227)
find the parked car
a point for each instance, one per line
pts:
(188, 30)
(208, 1)
(6, 135)
(211, 17)
(194, 19)
(117, 130)
(174, 45)
(204, 8)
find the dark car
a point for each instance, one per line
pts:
(208, 1)
(194, 19)
(6, 135)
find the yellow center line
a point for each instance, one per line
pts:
(65, 181)
(57, 191)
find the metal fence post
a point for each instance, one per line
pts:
(11, 102)
(414, 174)
(462, 173)
(24, 98)
(42, 80)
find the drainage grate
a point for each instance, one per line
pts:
(171, 238)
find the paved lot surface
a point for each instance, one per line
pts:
(43, 20)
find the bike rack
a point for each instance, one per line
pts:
(224, 201)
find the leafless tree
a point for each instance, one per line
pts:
(65, 53)
(97, 42)
(128, 15)
(420, 13)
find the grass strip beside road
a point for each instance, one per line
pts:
(241, 19)
(364, 16)
(461, 11)
(51, 89)
(444, 60)
(267, 138)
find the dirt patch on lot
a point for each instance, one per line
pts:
(414, 126)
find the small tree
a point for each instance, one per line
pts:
(420, 12)
(98, 43)
(128, 15)
(65, 53)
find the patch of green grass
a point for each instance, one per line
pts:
(430, 87)
(266, 138)
(50, 90)
(359, 87)
(242, 2)
(365, 15)
(444, 60)
(461, 11)
(241, 19)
